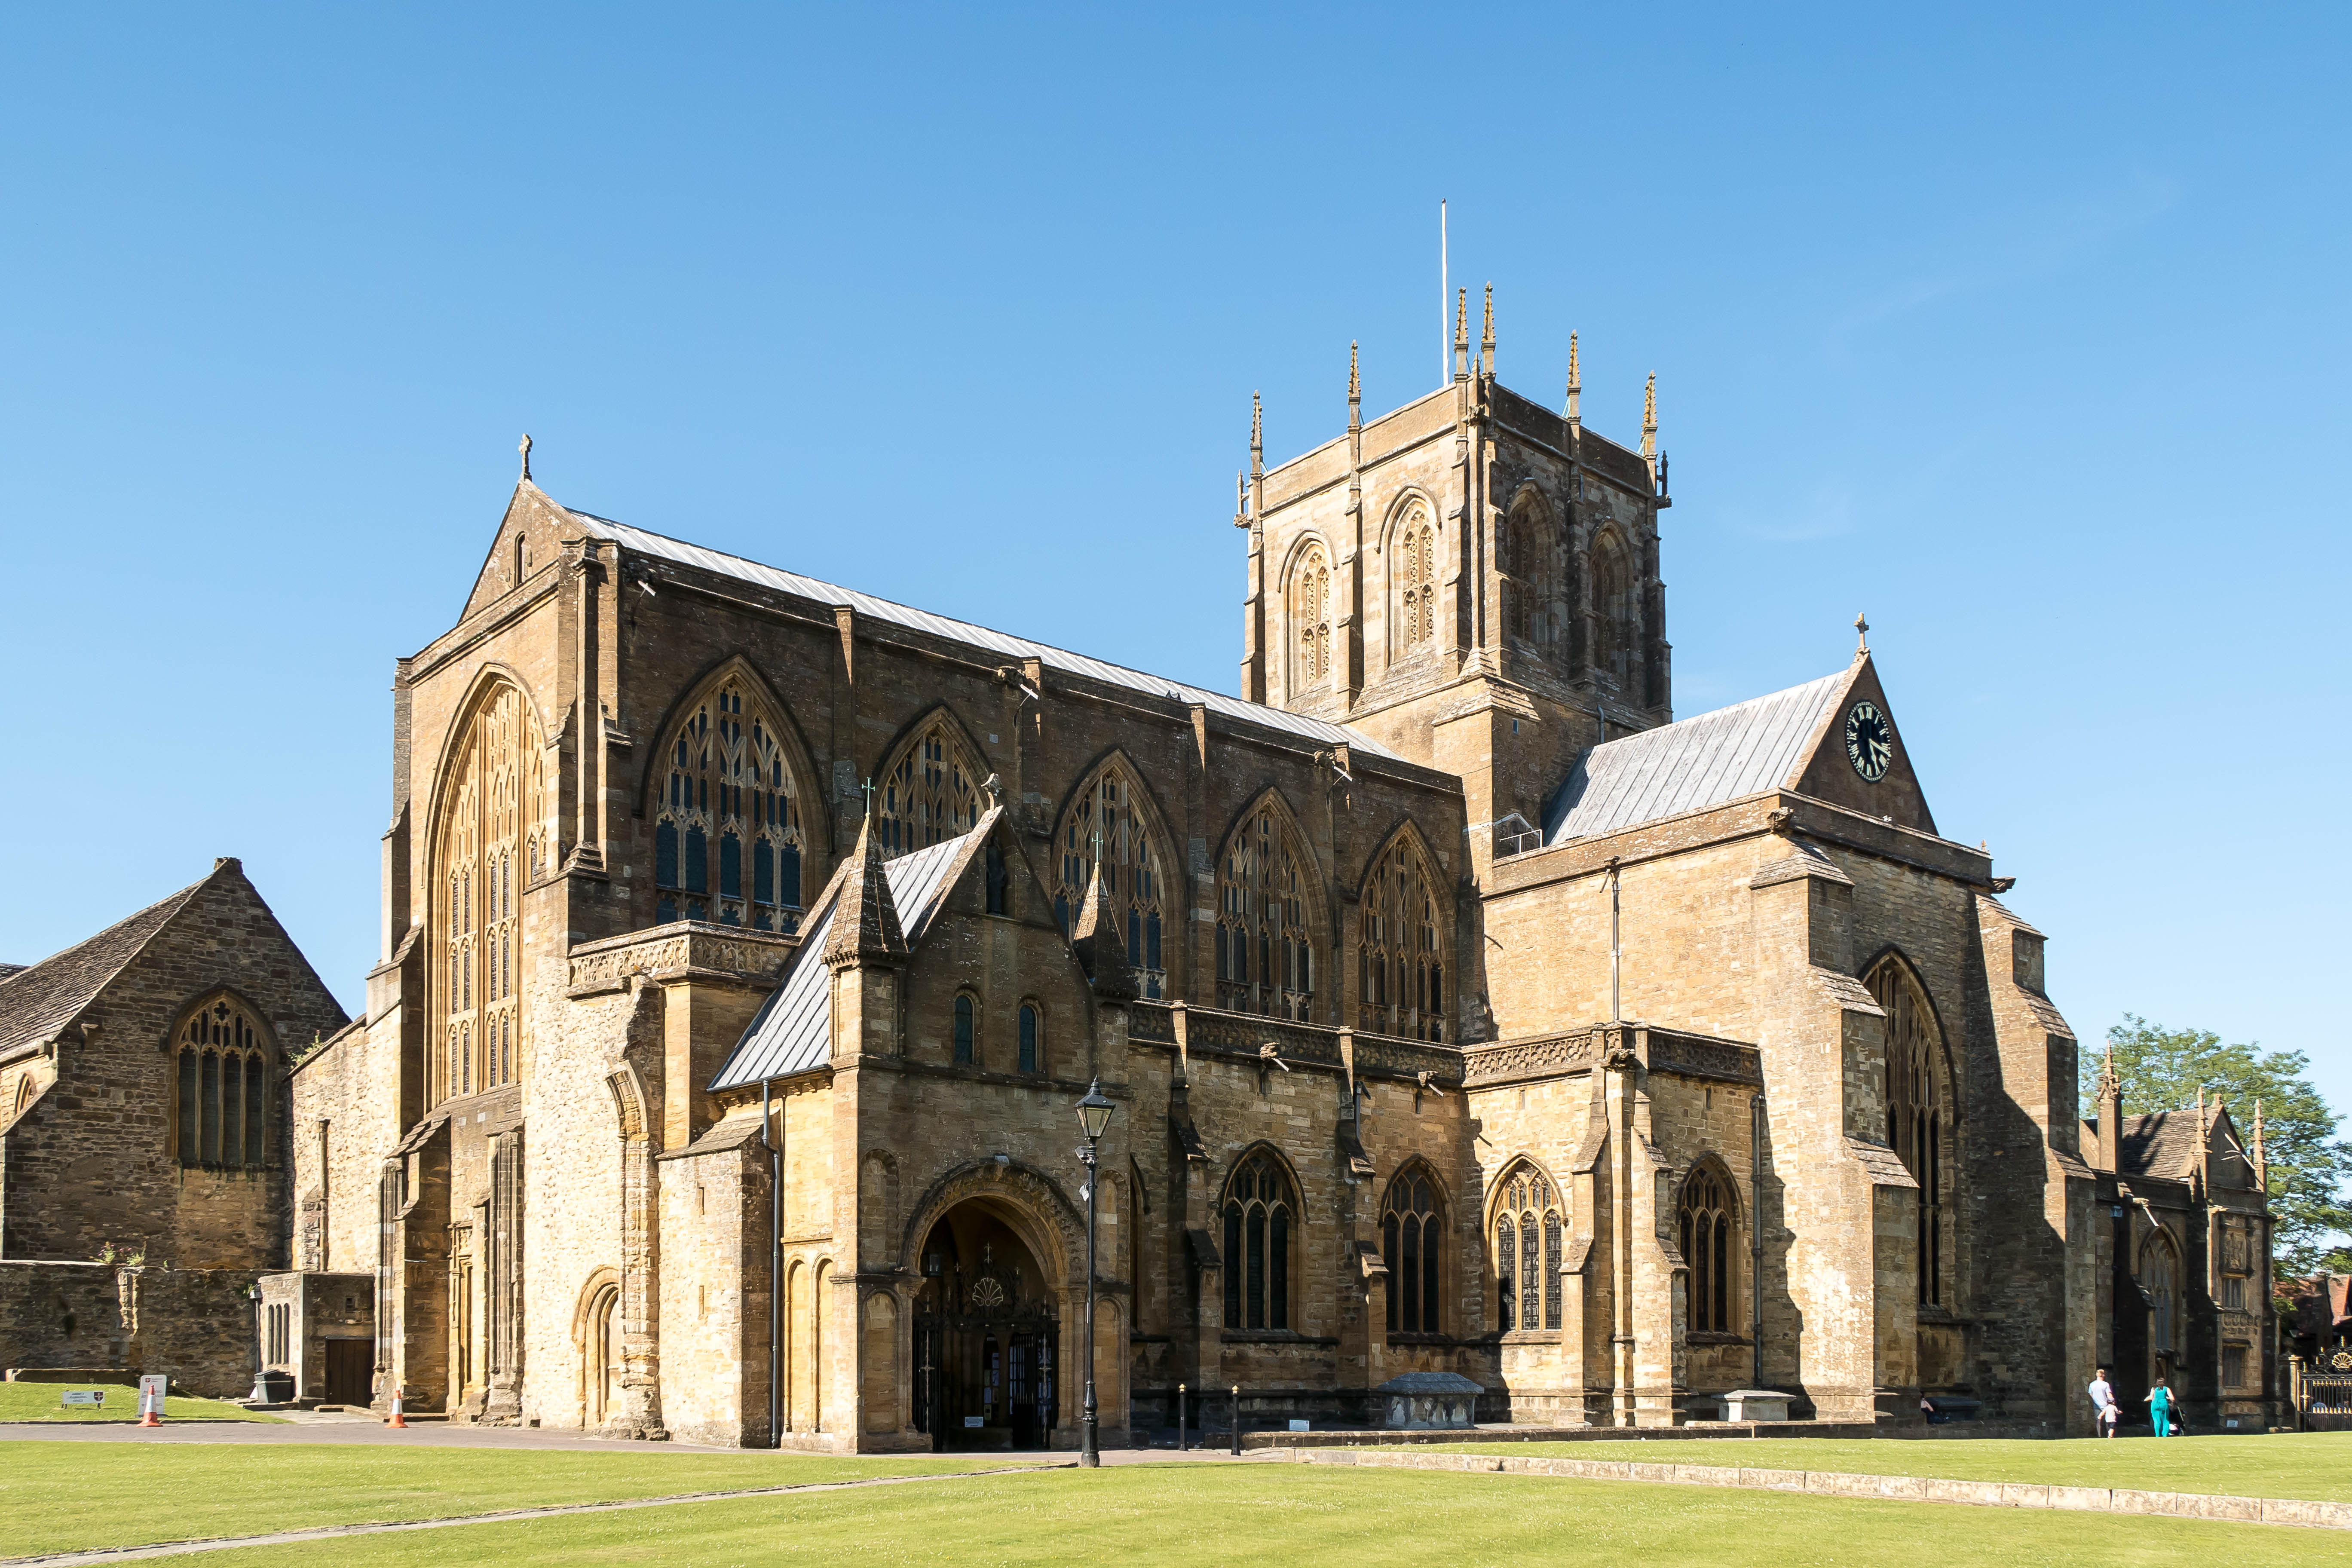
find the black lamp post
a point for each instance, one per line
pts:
(1094, 1115)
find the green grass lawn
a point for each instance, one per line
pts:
(1296, 1515)
(2314, 1464)
(38, 1402)
(61, 1497)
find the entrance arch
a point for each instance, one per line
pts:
(987, 1333)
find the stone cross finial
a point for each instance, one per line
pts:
(1861, 636)
(524, 447)
(869, 799)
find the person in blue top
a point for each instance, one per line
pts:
(2160, 1408)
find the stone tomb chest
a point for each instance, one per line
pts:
(1426, 1401)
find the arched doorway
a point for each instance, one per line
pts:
(986, 1327)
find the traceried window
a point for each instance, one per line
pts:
(1401, 962)
(2159, 1279)
(1310, 619)
(1705, 1226)
(223, 1087)
(1531, 559)
(931, 794)
(1260, 1209)
(1413, 1245)
(1612, 607)
(1527, 1246)
(728, 836)
(1106, 811)
(1266, 961)
(1413, 571)
(493, 833)
(1915, 1121)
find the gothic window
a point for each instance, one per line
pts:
(1527, 1244)
(931, 794)
(1400, 963)
(728, 837)
(1612, 607)
(1310, 619)
(1413, 1245)
(1029, 1046)
(1109, 811)
(2159, 1279)
(1705, 1226)
(966, 1050)
(1260, 1210)
(1530, 556)
(1265, 960)
(223, 1086)
(494, 830)
(1916, 1121)
(1412, 572)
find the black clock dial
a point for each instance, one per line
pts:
(1869, 742)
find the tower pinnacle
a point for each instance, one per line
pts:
(1575, 385)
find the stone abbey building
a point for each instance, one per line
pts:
(748, 942)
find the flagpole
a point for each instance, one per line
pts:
(1444, 305)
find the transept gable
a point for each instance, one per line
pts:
(529, 538)
(1856, 733)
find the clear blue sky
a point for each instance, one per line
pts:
(2023, 331)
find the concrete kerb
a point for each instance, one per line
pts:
(1878, 1489)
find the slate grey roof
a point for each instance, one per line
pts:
(41, 999)
(1012, 647)
(1742, 750)
(792, 1031)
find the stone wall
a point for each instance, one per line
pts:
(193, 1325)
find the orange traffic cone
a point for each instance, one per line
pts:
(395, 1420)
(148, 1414)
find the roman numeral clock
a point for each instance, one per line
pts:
(1869, 742)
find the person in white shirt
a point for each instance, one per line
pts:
(2103, 1410)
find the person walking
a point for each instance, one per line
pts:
(2160, 1408)
(2102, 1406)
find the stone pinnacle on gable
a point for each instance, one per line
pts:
(866, 920)
(1094, 937)
(1575, 385)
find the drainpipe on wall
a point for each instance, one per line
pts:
(1756, 1237)
(775, 1261)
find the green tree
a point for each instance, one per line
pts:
(2162, 1069)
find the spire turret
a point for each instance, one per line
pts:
(1486, 338)
(1094, 937)
(866, 927)
(1575, 386)
(1355, 391)
(1649, 423)
(1462, 336)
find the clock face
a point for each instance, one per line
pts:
(1869, 742)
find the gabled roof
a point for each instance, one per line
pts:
(37, 1001)
(1746, 748)
(1012, 647)
(792, 1031)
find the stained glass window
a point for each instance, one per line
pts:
(496, 828)
(1259, 1206)
(1526, 1230)
(223, 1086)
(1412, 1243)
(1400, 963)
(931, 793)
(1133, 861)
(1704, 1223)
(728, 834)
(1266, 958)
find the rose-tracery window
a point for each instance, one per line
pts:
(1526, 1240)
(1413, 568)
(1106, 811)
(1915, 1123)
(1704, 1225)
(223, 1086)
(931, 794)
(728, 837)
(1260, 1209)
(1411, 1244)
(1310, 619)
(491, 838)
(1265, 962)
(1401, 961)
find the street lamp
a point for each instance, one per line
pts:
(1094, 1115)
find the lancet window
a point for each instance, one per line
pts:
(1266, 961)
(1400, 959)
(223, 1086)
(1705, 1222)
(1261, 1208)
(1527, 1248)
(1916, 1120)
(1108, 813)
(1531, 558)
(1412, 569)
(1310, 619)
(728, 837)
(491, 838)
(931, 794)
(1612, 607)
(1413, 1245)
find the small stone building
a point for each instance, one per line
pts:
(143, 1136)
(748, 942)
